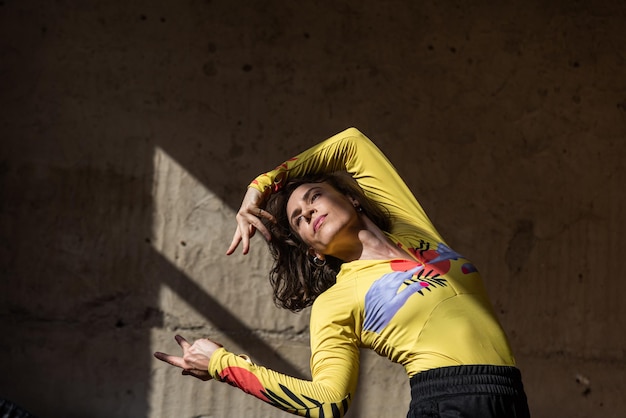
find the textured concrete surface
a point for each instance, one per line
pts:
(129, 131)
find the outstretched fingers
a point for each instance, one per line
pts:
(170, 359)
(237, 238)
(175, 360)
(195, 358)
(184, 344)
(248, 222)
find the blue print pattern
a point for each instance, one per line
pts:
(383, 300)
(445, 253)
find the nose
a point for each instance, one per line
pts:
(308, 213)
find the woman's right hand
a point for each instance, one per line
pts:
(249, 221)
(195, 358)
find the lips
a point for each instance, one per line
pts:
(318, 222)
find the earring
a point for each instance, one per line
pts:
(319, 262)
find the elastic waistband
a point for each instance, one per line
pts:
(456, 380)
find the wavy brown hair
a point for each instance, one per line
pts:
(296, 280)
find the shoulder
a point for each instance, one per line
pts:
(353, 281)
(339, 303)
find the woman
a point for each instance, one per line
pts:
(378, 275)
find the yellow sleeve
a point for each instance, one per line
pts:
(353, 152)
(334, 369)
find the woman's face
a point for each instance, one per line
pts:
(324, 218)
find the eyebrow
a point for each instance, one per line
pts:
(305, 197)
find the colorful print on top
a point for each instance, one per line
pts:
(287, 400)
(387, 295)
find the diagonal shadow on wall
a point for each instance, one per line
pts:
(221, 317)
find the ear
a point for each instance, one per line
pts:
(354, 201)
(313, 253)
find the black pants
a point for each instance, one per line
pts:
(479, 391)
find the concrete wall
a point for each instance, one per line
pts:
(129, 130)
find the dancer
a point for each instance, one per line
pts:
(349, 239)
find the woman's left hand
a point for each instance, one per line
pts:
(195, 359)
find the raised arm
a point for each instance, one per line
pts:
(349, 151)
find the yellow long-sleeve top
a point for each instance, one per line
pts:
(428, 312)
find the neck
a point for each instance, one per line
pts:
(371, 244)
